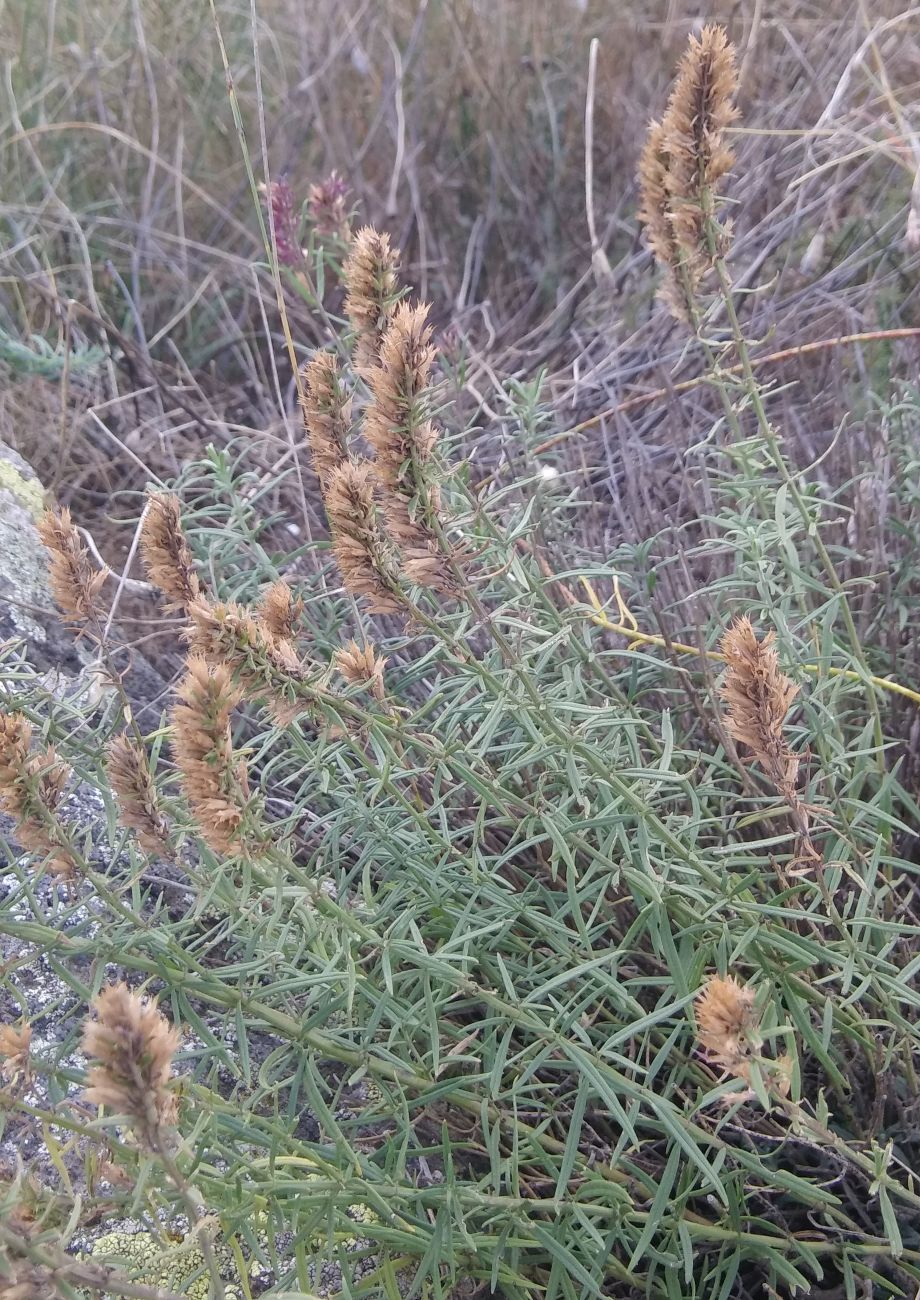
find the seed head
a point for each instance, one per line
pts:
(31, 786)
(132, 784)
(166, 553)
(326, 413)
(758, 697)
(404, 438)
(727, 1023)
(15, 1041)
(361, 548)
(214, 781)
(371, 292)
(280, 204)
(326, 205)
(361, 665)
(75, 581)
(280, 610)
(133, 1046)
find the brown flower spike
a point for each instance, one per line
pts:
(166, 553)
(758, 697)
(361, 665)
(727, 1023)
(371, 291)
(326, 414)
(360, 546)
(75, 580)
(213, 779)
(133, 1045)
(280, 610)
(403, 437)
(132, 784)
(31, 786)
(14, 1052)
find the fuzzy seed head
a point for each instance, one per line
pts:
(326, 413)
(361, 665)
(74, 579)
(280, 610)
(166, 553)
(758, 697)
(15, 1041)
(133, 1046)
(727, 1023)
(360, 546)
(132, 784)
(327, 207)
(214, 781)
(371, 283)
(31, 787)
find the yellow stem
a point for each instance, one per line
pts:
(632, 633)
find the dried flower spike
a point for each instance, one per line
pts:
(758, 697)
(133, 1045)
(360, 546)
(166, 553)
(403, 437)
(15, 1042)
(327, 209)
(31, 786)
(132, 784)
(699, 112)
(280, 610)
(75, 581)
(326, 414)
(727, 1024)
(655, 215)
(371, 292)
(213, 779)
(361, 665)
(280, 204)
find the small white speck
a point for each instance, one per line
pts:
(548, 471)
(294, 529)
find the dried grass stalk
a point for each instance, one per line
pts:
(371, 284)
(133, 1045)
(361, 548)
(326, 414)
(361, 665)
(280, 610)
(214, 780)
(132, 784)
(758, 697)
(166, 553)
(404, 438)
(31, 786)
(75, 581)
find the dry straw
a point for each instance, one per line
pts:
(132, 784)
(326, 413)
(166, 553)
(31, 787)
(372, 288)
(403, 436)
(75, 581)
(133, 1046)
(361, 548)
(361, 665)
(214, 780)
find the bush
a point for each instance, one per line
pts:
(502, 945)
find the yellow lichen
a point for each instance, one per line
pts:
(27, 491)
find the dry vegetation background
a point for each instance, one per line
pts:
(453, 978)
